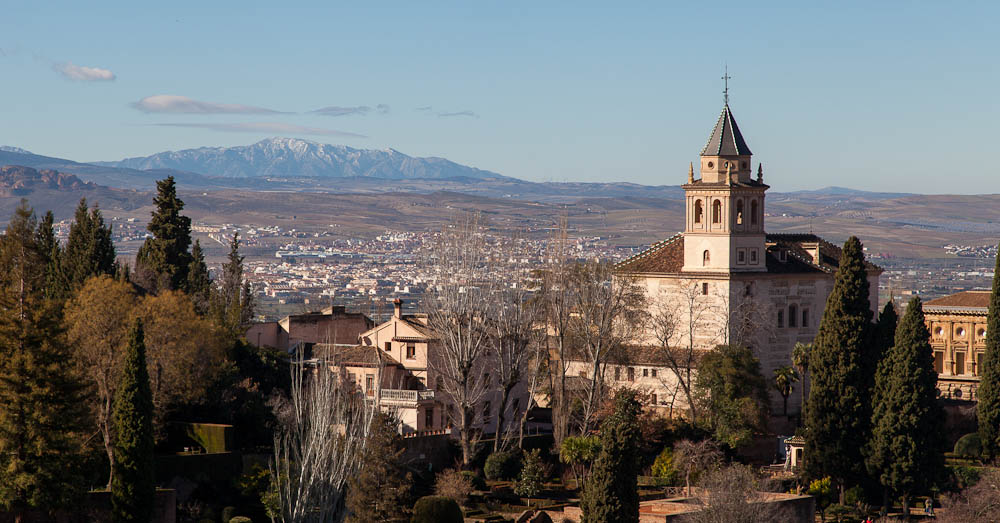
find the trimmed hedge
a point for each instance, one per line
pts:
(502, 466)
(969, 446)
(476, 480)
(436, 509)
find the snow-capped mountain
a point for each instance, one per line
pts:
(290, 157)
(12, 149)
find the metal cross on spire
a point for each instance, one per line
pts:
(726, 78)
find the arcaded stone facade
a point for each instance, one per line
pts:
(957, 325)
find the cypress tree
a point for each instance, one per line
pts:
(48, 245)
(165, 256)
(838, 411)
(611, 493)
(89, 248)
(988, 408)
(199, 283)
(883, 338)
(234, 303)
(133, 486)
(906, 452)
(41, 417)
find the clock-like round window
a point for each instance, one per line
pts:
(960, 331)
(710, 165)
(938, 331)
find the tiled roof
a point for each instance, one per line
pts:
(357, 356)
(964, 300)
(663, 256)
(726, 139)
(667, 256)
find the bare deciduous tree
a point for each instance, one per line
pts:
(556, 298)
(693, 457)
(457, 307)
(733, 494)
(608, 311)
(326, 426)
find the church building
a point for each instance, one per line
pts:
(725, 280)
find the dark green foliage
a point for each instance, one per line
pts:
(163, 261)
(48, 246)
(882, 340)
(837, 418)
(969, 446)
(240, 519)
(732, 394)
(228, 513)
(199, 284)
(502, 465)
(132, 485)
(529, 481)
(89, 250)
(436, 509)
(233, 303)
(611, 493)
(381, 490)
(907, 430)
(475, 480)
(41, 408)
(988, 408)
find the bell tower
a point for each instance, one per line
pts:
(724, 229)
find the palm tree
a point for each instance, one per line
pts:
(784, 377)
(800, 358)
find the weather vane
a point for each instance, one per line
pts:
(726, 78)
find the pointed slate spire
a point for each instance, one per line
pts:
(726, 139)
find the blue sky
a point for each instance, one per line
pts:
(892, 96)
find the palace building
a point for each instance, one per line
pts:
(957, 324)
(725, 280)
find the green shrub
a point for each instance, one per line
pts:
(240, 519)
(453, 484)
(502, 465)
(475, 480)
(228, 513)
(663, 467)
(969, 446)
(436, 509)
(965, 476)
(529, 482)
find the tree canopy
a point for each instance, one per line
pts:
(988, 408)
(732, 394)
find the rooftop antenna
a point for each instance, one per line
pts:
(726, 78)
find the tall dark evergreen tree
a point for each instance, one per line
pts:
(234, 302)
(988, 408)
(883, 338)
(133, 486)
(42, 413)
(89, 248)
(164, 260)
(838, 409)
(905, 451)
(611, 494)
(199, 283)
(381, 491)
(55, 281)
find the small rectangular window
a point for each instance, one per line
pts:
(652, 399)
(939, 362)
(618, 373)
(805, 317)
(388, 346)
(753, 256)
(959, 363)
(411, 351)
(654, 373)
(645, 373)
(741, 256)
(704, 288)
(631, 374)
(429, 418)
(792, 316)
(781, 318)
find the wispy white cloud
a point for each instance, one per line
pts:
(168, 103)
(424, 109)
(264, 127)
(361, 110)
(469, 114)
(83, 74)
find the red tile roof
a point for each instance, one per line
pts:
(967, 299)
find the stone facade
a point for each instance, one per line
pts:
(724, 280)
(957, 326)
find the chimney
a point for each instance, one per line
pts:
(397, 308)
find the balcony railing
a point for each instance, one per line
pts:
(406, 396)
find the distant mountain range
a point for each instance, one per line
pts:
(16, 180)
(293, 158)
